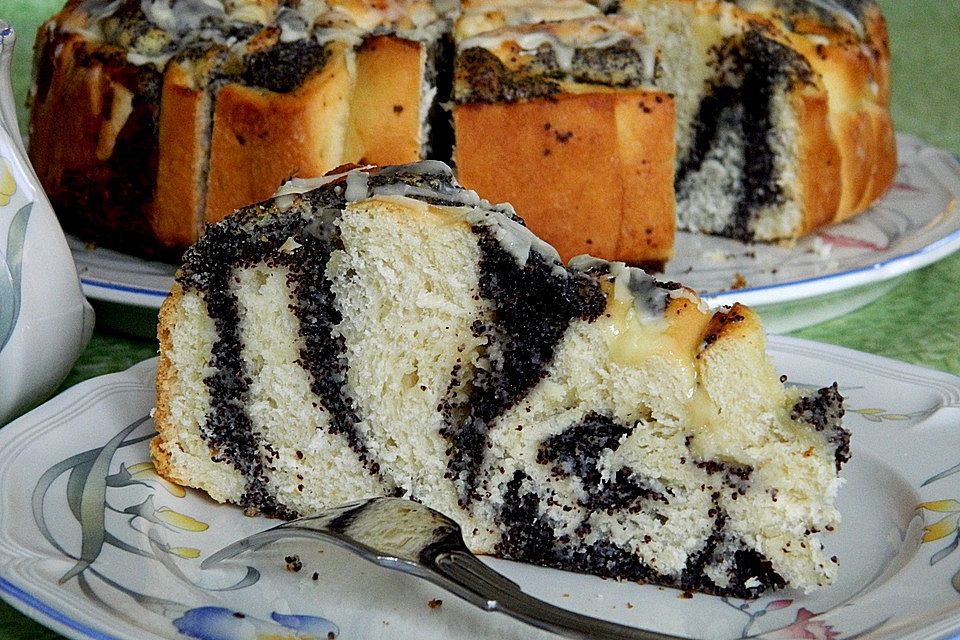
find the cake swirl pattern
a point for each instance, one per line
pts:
(586, 417)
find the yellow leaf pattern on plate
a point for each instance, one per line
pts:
(146, 471)
(180, 520)
(942, 528)
(941, 505)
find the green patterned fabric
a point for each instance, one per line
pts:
(918, 321)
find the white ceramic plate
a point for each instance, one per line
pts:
(844, 266)
(95, 545)
(822, 276)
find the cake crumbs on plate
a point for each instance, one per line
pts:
(821, 248)
(293, 563)
(739, 281)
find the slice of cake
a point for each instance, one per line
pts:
(387, 332)
(555, 110)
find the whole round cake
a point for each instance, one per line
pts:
(609, 124)
(387, 332)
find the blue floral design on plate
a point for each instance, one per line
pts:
(219, 623)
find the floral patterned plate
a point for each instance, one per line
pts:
(822, 276)
(95, 545)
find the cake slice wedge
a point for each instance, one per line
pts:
(386, 332)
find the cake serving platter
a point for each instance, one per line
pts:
(827, 274)
(95, 545)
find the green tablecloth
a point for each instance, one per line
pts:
(918, 321)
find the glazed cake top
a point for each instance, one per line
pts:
(312, 206)
(154, 31)
(843, 15)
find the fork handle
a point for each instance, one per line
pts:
(474, 581)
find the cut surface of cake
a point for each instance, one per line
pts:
(778, 104)
(387, 332)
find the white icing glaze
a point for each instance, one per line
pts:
(348, 35)
(302, 185)
(293, 25)
(182, 16)
(584, 262)
(160, 14)
(649, 299)
(597, 33)
(198, 21)
(140, 60)
(356, 186)
(691, 296)
(841, 12)
(515, 238)
(285, 201)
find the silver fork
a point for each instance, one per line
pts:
(407, 536)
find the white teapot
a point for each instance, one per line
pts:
(45, 321)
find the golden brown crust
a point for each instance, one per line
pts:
(94, 140)
(384, 125)
(736, 323)
(818, 161)
(573, 168)
(166, 381)
(262, 138)
(647, 158)
(856, 75)
(57, 144)
(184, 117)
(368, 113)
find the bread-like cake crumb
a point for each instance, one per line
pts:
(414, 340)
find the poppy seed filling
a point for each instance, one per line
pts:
(387, 332)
